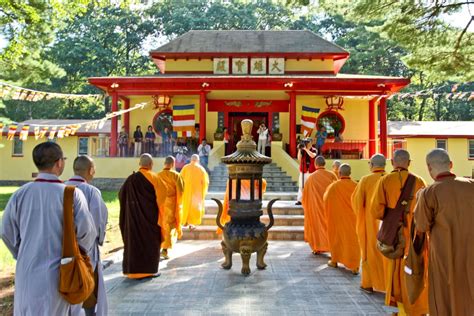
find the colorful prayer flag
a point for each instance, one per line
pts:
(1, 128)
(183, 118)
(67, 132)
(43, 132)
(74, 129)
(52, 132)
(37, 132)
(11, 132)
(24, 132)
(309, 116)
(61, 131)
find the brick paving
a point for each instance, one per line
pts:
(192, 283)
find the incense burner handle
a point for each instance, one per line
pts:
(219, 213)
(270, 213)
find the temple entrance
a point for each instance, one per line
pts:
(235, 128)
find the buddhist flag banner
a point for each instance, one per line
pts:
(1, 130)
(11, 132)
(52, 132)
(183, 119)
(61, 132)
(37, 132)
(43, 132)
(309, 116)
(24, 132)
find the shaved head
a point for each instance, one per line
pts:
(82, 164)
(401, 158)
(169, 162)
(336, 163)
(378, 161)
(345, 170)
(146, 161)
(438, 161)
(195, 158)
(320, 161)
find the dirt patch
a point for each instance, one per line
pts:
(7, 289)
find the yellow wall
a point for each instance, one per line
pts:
(309, 65)
(189, 65)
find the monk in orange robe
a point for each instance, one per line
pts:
(171, 208)
(315, 217)
(335, 167)
(367, 227)
(342, 236)
(244, 195)
(387, 193)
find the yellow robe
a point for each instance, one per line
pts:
(170, 211)
(160, 192)
(387, 193)
(367, 228)
(244, 195)
(315, 216)
(196, 183)
(342, 236)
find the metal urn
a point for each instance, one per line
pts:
(244, 233)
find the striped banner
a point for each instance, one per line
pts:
(309, 117)
(184, 120)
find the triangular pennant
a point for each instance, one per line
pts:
(1, 128)
(11, 132)
(52, 132)
(67, 132)
(61, 131)
(24, 132)
(37, 132)
(43, 132)
(74, 128)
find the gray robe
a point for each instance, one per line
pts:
(33, 230)
(99, 213)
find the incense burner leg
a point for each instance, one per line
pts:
(227, 256)
(260, 254)
(245, 253)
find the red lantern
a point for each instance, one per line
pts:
(334, 103)
(161, 102)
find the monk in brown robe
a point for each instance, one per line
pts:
(387, 193)
(367, 227)
(171, 209)
(139, 215)
(315, 217)
(342, 236)
(445, 210)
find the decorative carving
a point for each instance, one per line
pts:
(261, 104)
(233, 103)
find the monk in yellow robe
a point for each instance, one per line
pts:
(315, 216)
(445, 210)
(387, 193)
(335, 167)
(170, 210)
(244, 195)
(367, 227)
(342, 236)
(196, 182)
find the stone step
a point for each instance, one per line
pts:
(275, 233)
(283, 207)
(280, 220)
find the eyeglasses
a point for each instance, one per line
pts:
(62, 158)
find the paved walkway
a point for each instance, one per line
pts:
(192, 283)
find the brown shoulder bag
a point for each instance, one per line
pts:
(390, 240)
(76, 276)
(415, 265)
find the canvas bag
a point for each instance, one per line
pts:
(390, 240)
(415, 265)
(76, 276)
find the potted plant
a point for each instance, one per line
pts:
(219, 134)
(276, 135)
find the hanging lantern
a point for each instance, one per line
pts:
(334, 103)
(161, 102)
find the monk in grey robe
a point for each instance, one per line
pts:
(84, 171)
(33, 232)
(445, 209)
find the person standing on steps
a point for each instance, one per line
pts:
(306, 155)
(262, 138)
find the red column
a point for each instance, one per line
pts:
(202, 116)
(113, 131)
(383, 126)
(270, 122)
(126, 116)
(372, 128)
(292, 124)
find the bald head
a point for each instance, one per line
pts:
(169, 162)
(378, 161)
(401, 159)
(194, 158)
(84, 166)
(320, 161)
(336, 164)
(438, 161)
(146, 161)
(345, 170)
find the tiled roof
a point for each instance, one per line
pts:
(430, 128)
(241, 41)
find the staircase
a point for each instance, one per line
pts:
(289, 220)
(277, 179)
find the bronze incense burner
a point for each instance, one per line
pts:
(245, 234)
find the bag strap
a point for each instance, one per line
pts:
(69, 235)
(404, 198)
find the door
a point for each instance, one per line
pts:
(235, 128)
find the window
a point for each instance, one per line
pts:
(83, 145)
(471, 148)
(442, 144)
(333, 122)
(17, 147)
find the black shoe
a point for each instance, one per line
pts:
(298, 203)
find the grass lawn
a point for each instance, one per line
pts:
(113, 241)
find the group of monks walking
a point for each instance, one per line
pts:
(344, 217)
(153, 209)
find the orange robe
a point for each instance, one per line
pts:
(387, 193)
(244, 195)
(367, 228)
(342, 236)
(170, 211)
(196, 182)
(315, 217)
